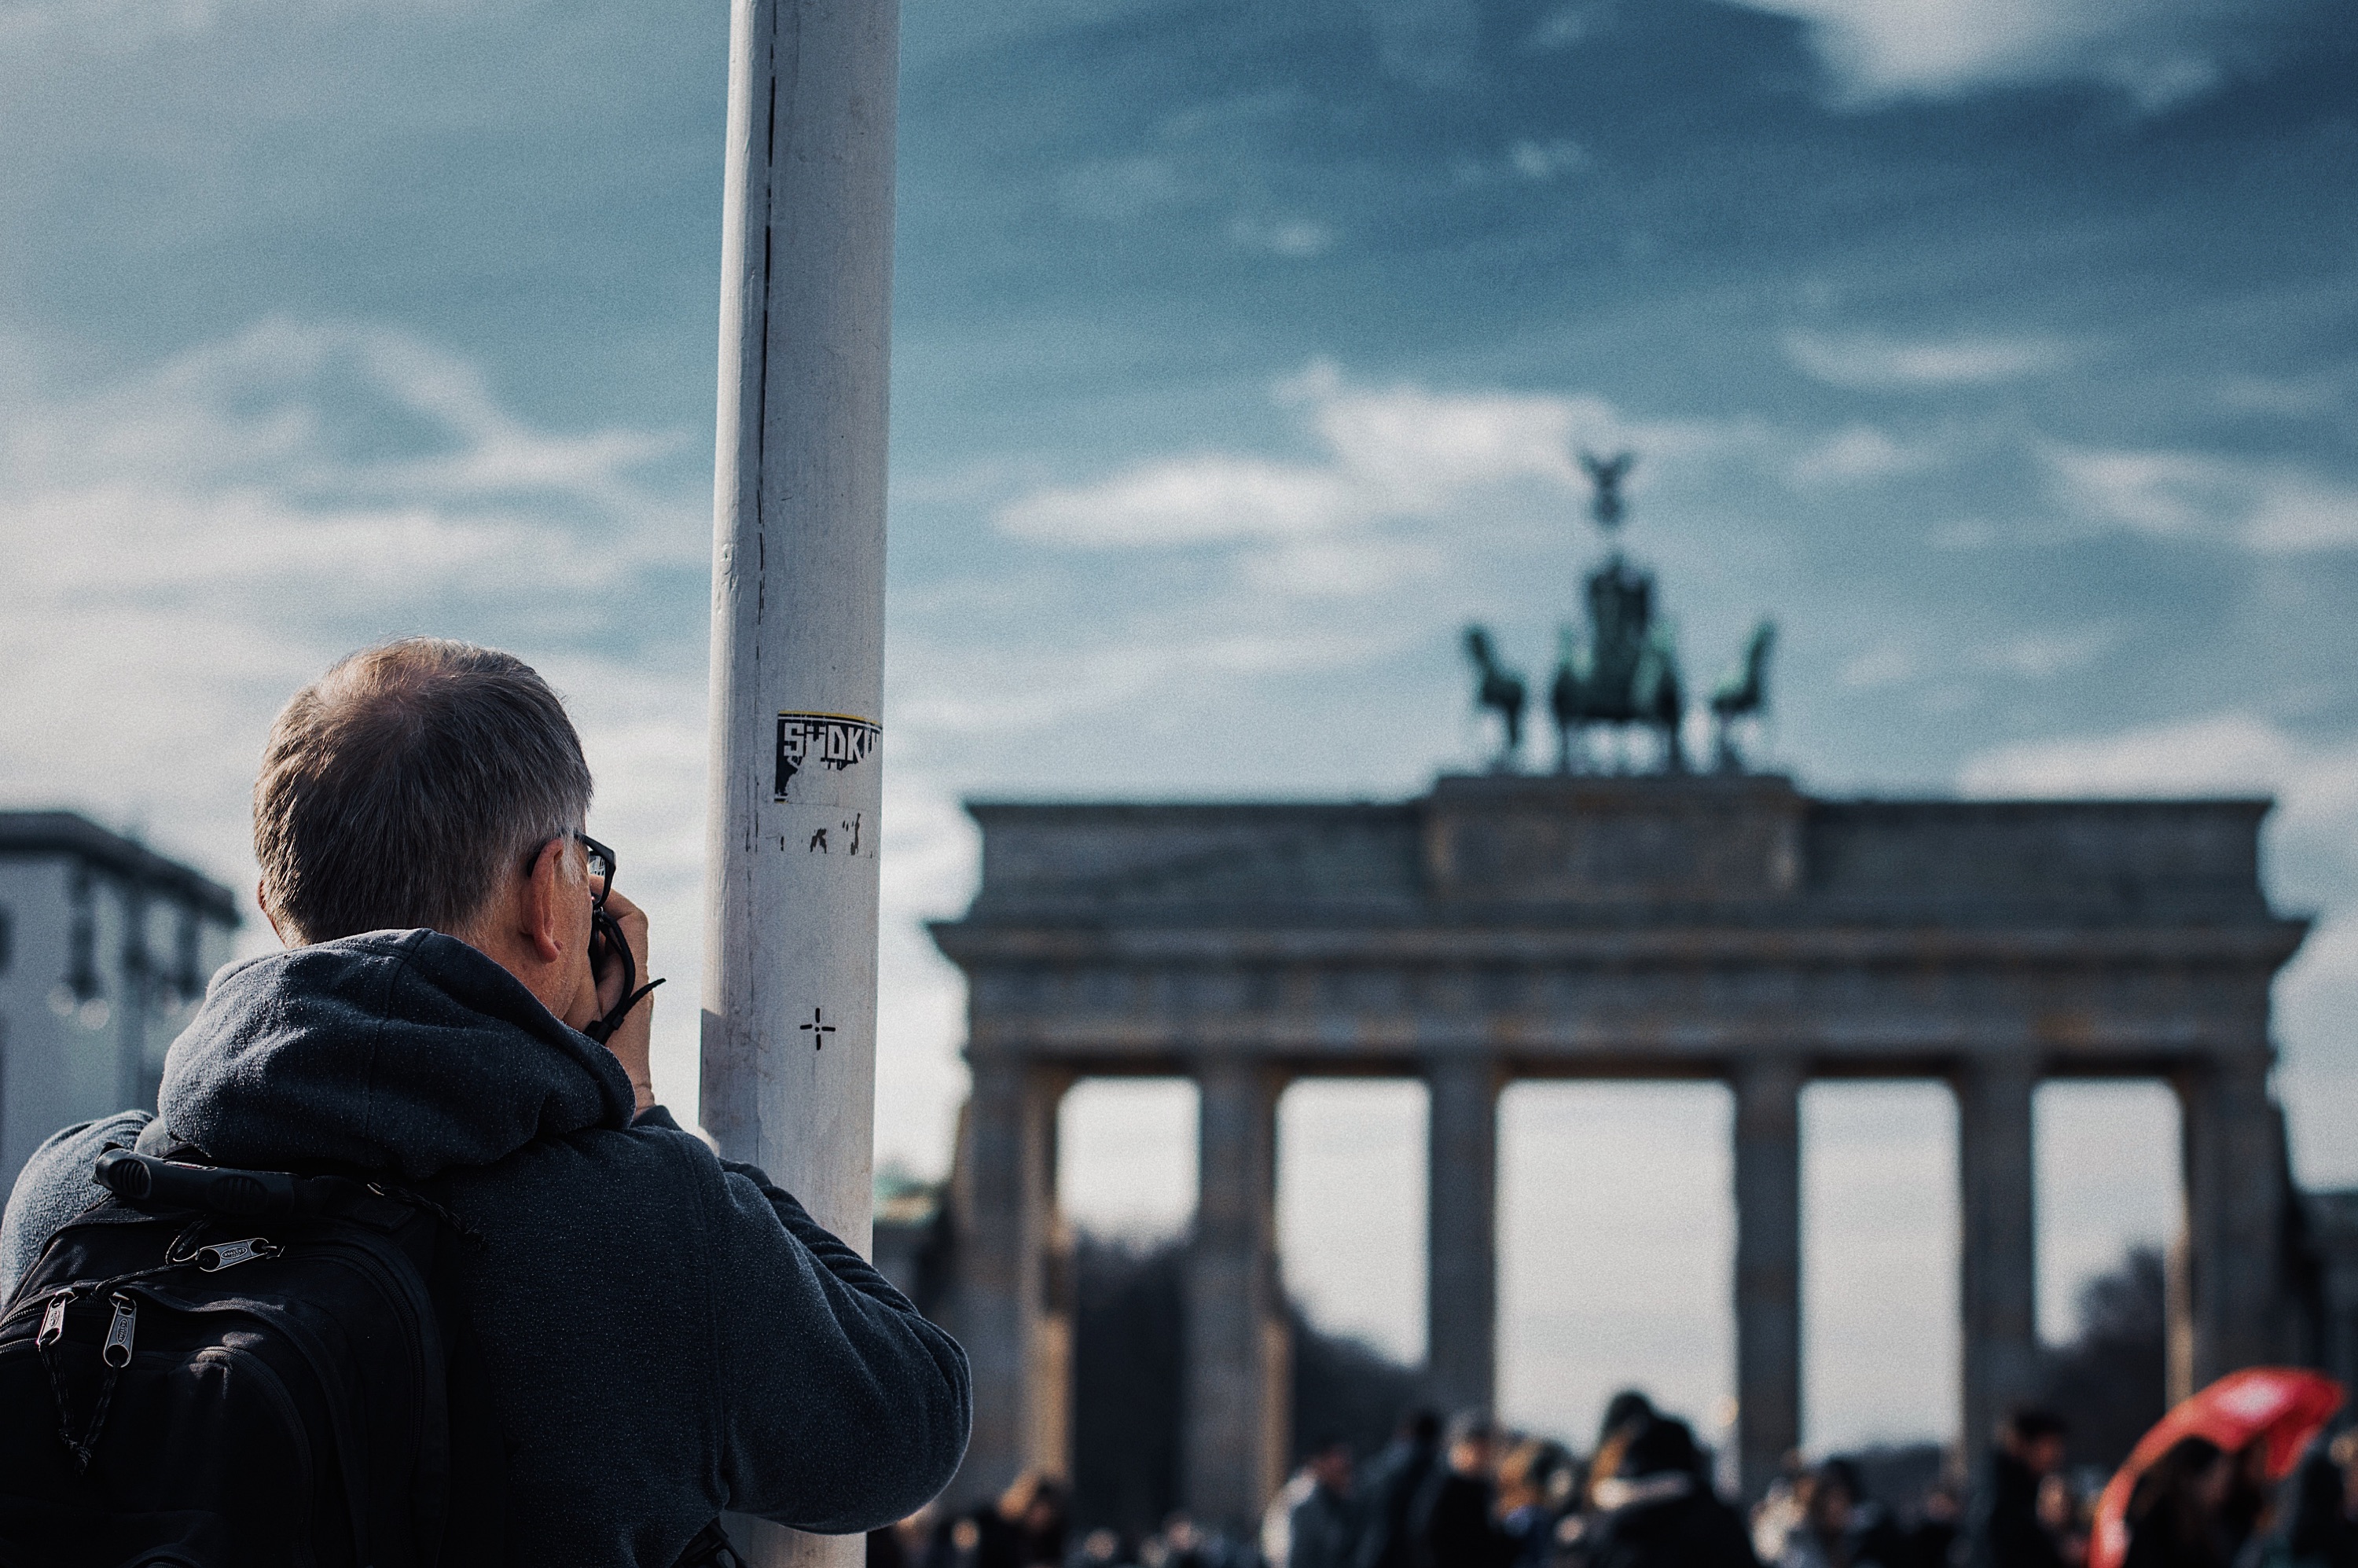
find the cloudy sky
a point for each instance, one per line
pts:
(2007, 352)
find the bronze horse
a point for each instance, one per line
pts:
(1744, 690)
(1500, 690)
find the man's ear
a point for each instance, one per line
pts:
(544, 925)
(262, 897)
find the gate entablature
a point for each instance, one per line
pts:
(1658, 850)
(1657, 846)
(1722, 927)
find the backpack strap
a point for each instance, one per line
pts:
(172, 1172)
(474, 1525)
(158, 1142)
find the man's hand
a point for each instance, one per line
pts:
(603, 987)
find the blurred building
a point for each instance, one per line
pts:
(105, 947)
(2328, 1244)
(910, 1239)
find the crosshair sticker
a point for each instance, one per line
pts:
(818, 1027)
(831, 741)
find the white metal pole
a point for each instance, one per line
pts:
(789, 1026)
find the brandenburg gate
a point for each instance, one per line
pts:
(1719, 927)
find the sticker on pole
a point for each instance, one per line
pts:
(828, 741)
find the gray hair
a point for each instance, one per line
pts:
(398, 789)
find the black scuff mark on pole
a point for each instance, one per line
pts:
(767, 186)
(760, 449)
(762, 379)
(771, 155)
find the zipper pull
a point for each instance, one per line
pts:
(53, 1320)
(230, 1254)
(117, 1350)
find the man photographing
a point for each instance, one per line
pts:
(659, 1334)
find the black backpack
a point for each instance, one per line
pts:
(224, 1368)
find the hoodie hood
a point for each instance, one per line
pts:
(402, 1051)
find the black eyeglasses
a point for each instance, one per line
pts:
(606, 936)
(601, 868)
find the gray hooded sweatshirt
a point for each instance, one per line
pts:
(667, 1335)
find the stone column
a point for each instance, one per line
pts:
(2178, 1306)
(1998, 1294)
(1768, 1268)
(1238, 1355)
(1015, 1335)
(2234, 1197)
(1461, 1281)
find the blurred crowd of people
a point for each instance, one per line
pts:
(2200, 1506)
(1474, 1496)
(1027, 1526)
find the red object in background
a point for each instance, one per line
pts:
(2283, 1407)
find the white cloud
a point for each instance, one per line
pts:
(1545, 161)
(1294, 239)
(2032, 655)
(280, 406)
(1886, 664)
(2220, 753)
(2157, 53)
(1432, 43)
(1419, 449)
(124, 23)
(1531, 159)
(1868, 361)
(2041, 655)
(2291, 511)
(31, 29)
(2274, 507)
(1862, 454)
(1189, 501)
(954, 691)
(1117, 189)
(1352, 567)
(2295, 397)
(1964, 534)
(2156, 493)
(1569, 24)
(217, 483)
(1389, 453)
